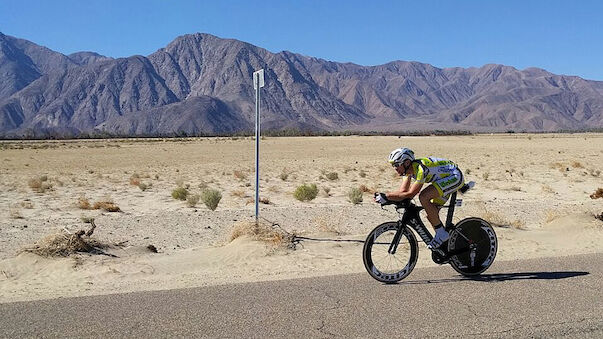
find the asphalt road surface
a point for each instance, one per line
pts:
(551, 297)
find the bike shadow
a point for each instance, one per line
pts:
(498, 277)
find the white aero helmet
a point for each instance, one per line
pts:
(397, 156)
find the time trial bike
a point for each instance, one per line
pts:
(391, 250)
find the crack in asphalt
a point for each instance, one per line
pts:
(321, 329)
(337, 305)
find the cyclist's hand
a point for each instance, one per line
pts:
(380, 198)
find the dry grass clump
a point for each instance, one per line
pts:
(179, 193)
(143, 187)
(306, 192)
(239, 194)
(366, 189)
(106, 205)
(593, 172)
(39, 184)
(559, 166)
(547, 189)
(263, 231)
(265, 200)
(27, 204)
(239, 175)
(551, 215)
(83, 203)
(284, 174)
(486, 175)
(64, 244)
(192, 200)
(211, 198)
(135, 179)
(495, 219)
(332, 176)
(355, 195)
(577, 164)
(14, 212)
(597, 194)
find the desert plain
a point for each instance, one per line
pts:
(535, 188)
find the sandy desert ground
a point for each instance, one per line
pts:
(536, 188)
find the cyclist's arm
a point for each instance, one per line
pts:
(413, 190)
(405, 184)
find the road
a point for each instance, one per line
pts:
(550, 297)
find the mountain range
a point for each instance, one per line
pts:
(202, 84)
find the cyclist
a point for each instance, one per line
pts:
(444, 177)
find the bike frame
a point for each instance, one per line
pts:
(411, 218)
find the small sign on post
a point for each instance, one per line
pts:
(258, 82)
(258, 79)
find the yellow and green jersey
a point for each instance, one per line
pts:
(428, 170)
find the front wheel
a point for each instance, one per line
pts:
(384, 266)
(474, 245)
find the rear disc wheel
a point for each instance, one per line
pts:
(476, 241)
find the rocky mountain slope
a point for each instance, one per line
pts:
(200, 83)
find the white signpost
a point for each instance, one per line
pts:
(258, 82)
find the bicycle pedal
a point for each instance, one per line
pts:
(439, 258)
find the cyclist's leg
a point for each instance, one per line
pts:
(435, 196)
(426, 197)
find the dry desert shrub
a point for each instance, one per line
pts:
(263, 231)
(39, 184)
(486, 175)
(192, 200)
(143, 187)
(551, 215)
(211, 198)
(14, 212)
(238, 193)
(135, 179)
(265, 200)
(355, 195)
(332, 176)
(106, 205)
(306, 192)
(597, 194)
(65, 244)
(559, 166)
(327, 223)
(239, 175)
(496, 219)
(27, 204)
(593, 172)
(83, 203)
(179, 193)
(284, 174)
(180, 183)
(365, 189)
(547, 189)
(577, 164)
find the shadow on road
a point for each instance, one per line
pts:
(504, 277)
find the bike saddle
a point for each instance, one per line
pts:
(467, 187)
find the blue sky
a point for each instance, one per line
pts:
(564, 37)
